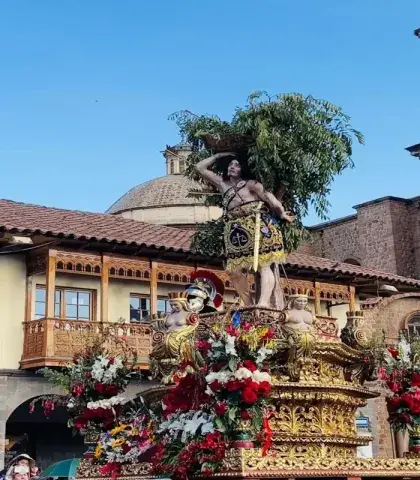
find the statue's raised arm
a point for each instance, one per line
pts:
(204, 169)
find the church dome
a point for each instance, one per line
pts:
(166, 200)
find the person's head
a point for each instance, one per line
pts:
(20, 476)
(234, 169)
(34, 470)
(23, 462)
(21, 472)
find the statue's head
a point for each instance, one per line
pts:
(237, 169)
(299, 301)
(207, 290)
(178, 301)
(234, 169)
(197, 298)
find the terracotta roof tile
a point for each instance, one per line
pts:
(21, 217)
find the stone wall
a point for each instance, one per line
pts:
(384, 235)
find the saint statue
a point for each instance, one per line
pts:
(252, 230)
(174, 337)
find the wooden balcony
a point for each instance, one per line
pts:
(53, 342)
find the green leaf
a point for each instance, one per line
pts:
(232, 413)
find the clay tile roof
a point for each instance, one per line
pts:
(25, 218)
(33, 219)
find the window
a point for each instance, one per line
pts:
(414, 326)
(181, 166)
(68, 303)
(163, 306)
(139, 308)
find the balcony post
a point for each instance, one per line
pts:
(104, 289)
(154, 288)
(50, 283)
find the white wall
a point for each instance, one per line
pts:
(12, 309)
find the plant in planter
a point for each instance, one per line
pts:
(400, 372)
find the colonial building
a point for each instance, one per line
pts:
(64, 273)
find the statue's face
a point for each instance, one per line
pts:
(300, 303)
(176, 306)
(196, 304)
(234, 169)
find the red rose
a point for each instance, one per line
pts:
(246, 415)
(249, 396)
(415, 379)
(218, 366)
(220, 408)
(107, 390)
(88, 375)
(393, 352)
(233, 385)
(247, 326)
(395, 387)
(77, 390)
(216, 386)
(264, 388)
(250, 365)
(405, 418)
(203, 346)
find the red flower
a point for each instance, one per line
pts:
(77, 390)
(231, 330)
(88, 375)
(218, 366)
(246, 326)
(107, 390)
(249, 396)
(393, 352)
(233, 385)
(415, 379)
(203, 346)
(264, 388)
(246, 415)
(220, 408)
(250, 365)
(269, 335)
(405, 418)
(395, 387)
(216, 386)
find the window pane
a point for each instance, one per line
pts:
(144, 314)
(39, 309)
(71, 311)
(57, 296)
(134, 315)
(84, 298)
(40, 294)
(71, 297)
(162, 306)
(134, 302)
(145, 304)
(84, 312)
(57, 310)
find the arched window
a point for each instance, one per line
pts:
(352, 261)
(413, 326)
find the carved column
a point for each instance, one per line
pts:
(50, 283)
(28, 300)
(352, 304)
(154, 288)
(104, 289)
(317, 298)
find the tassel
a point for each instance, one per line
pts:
(268, 436)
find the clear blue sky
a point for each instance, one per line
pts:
(86, 86)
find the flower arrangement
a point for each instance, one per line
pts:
(124, 443)
(224, 402)
(400, 372)
(93, 382)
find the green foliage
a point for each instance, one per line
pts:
(294, 145)
(57, 378)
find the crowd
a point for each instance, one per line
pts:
(22, 467)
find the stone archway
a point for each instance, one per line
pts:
(47, 440)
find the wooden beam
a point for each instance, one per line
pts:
(104, 289)
(154, 288)
(352, 304)
(50, 283)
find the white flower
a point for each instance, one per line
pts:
(230, 346)
(243, 373)
(221, 377)
(259, 376)
(263, 353)
(404, 350)
(70, 405)
(107, 403)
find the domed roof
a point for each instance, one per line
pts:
(164, 191)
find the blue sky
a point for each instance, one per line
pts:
(86, 86)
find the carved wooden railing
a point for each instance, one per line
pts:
(53, 342)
